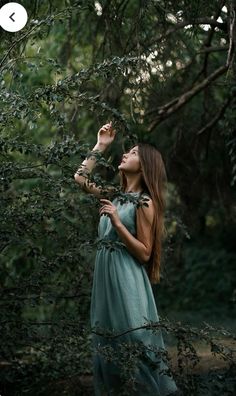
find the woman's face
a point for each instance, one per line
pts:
(130, 160)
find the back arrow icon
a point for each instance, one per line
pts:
(12, 16)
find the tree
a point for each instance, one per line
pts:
(164, 72)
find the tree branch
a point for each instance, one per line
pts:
(197, 21)
(232, 32)
(208, 40)
(215, 119)
(180, 25)
(213, 49)
(168, 109)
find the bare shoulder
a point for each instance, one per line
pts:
(146, 208)
(146, 200)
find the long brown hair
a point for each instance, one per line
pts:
(154, 183)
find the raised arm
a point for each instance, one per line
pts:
(105, 137)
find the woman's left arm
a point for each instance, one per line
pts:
(141, 246)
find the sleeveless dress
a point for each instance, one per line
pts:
(121, 299)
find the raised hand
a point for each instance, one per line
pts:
(106, 134)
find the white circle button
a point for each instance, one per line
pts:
(13, 17)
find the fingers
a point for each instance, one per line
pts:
(103, 129)
(102, 210)
(107, 126)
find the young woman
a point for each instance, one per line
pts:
(122, 296)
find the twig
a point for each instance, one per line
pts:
(213, 49)
(216, 118)
(171, 107)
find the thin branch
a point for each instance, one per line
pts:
(197, 21)
(207, 42)
(213, 49)
(232, 32)
(171, 107)
(191, 331)
(15, 43)
(28, 33)
(180, 25)
(215, 119)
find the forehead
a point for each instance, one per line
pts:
(135, 148)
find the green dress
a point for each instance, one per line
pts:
(121, 299)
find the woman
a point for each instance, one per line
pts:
(122, 298)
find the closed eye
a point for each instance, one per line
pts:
(131, 152)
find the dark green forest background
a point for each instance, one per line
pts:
(164, 73)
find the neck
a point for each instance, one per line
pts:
(133, 183)
(133, 188)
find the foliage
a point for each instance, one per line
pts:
(164, 73)
(126, 356)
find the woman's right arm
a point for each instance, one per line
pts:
(86, 167)
(105, 136)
